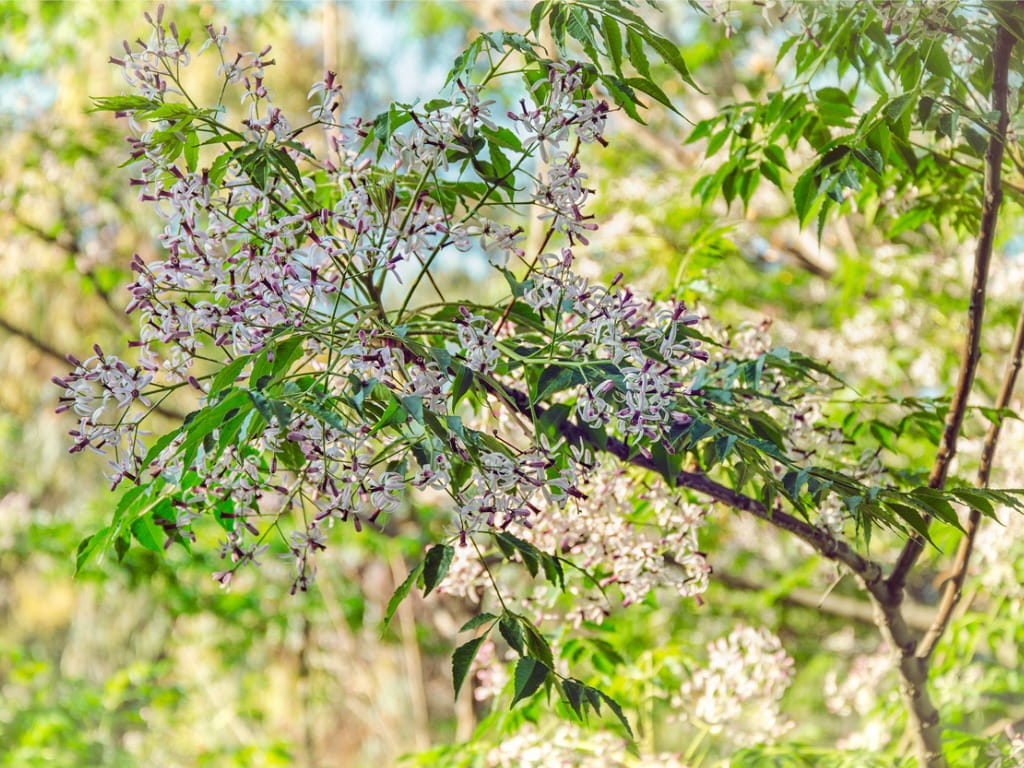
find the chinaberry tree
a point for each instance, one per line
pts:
(574, 429)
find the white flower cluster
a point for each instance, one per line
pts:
(635, 541)
(999, 555)
(571, 747)
(596, 532)
(856, 693)
(643, 340)
(106, 395)
(738, 692)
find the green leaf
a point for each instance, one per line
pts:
(717, 141)
(976, 500)
(88, 546)
(556, 378)
(935, 59)
(670, 53)
(975, 139)
(579, 26)
(553, 570)
(462, 384)
(529, 676)
(776, 155)
(573, 691)
(651, 89)
(512, 632)
(537, 13)
(614, 707)
(477, 621)
(148, 533)
(227, 375)
(435, 566)
(623, 96)
(537, 645)
(122, 103)
(635, 53)
(462, 659)
(192, 151)
(613, 42)
(401, 593)
(284, 162)
(219, 168)
(530, 554)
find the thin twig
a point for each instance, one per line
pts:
(50, 352)
(954, 586)
(72, 247)
(918, 616)
(993, 197)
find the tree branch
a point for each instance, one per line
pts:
(993, 197)
(71, 246)
(918, 616)
(954, 586)
(50, 352)
(868, 571)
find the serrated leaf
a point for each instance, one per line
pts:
(776, 155)
(537, 645)
(529, 676)
(462, 659)
(871, 158)
(121, 103)
(553, 570)
(478, 621)
(975, 500)
(227, 375)
(573, 691)
(670, 53)
(556, 378)
(592, 696)
(614, 707)
(435, 566)
(512, 632)
(401, 592)
(623, 96)
(529, 553)
(651, 89)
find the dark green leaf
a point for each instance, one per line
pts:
(614, 707)
(635, 53)
(435, 566)
(462, 659)
(529, 676)
(512, 632)
(573, 691)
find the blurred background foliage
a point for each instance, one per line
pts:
(147, 662)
